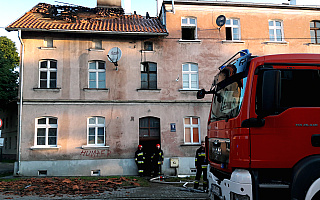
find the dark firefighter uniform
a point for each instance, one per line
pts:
(201, 165)
(157, 160)
(140, 159)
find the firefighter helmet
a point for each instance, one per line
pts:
(140, 146)
(158, 145)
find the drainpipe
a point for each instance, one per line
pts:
(20, 103)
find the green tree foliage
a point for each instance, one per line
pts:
(9, 59)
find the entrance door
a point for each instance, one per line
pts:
(149, 136)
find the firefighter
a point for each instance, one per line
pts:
(201, 165)
(157, 160)
(140, 159)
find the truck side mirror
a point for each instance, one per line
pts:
(201, 93)
(268, 99)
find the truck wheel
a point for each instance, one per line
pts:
(306, 179)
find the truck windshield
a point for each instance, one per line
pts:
(228, 98)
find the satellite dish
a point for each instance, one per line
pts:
(221, 20)
(114, 55)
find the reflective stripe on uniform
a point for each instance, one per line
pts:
(140, 162)
(204, 166)
(159, 162)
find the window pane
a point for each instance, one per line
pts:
(52, 132)
(43, 64)
(100, 120)
(152, 67)
(53, 64)
(92, 84)
(278, 23)
(144, 122)
(53, 75)
(187, 135)
(101, 65)
(187, 120)
(92, 65)
(41, 132)
(153, 77)
(43, 84)
(143, 132)
(101, 131)
(194, 120)
(53, 120)
(194, 67)
(228, 33)
(235, 31)
(43, 75)
(53, 83)
(100, 140)
(144, 85)
(317, 24)
(92, 131)
(101, 76)
(154, 132)
(185, 67)
(228, 22)
(271, 32)
(192, 21)
(41, 141)
(42, 121)
(52, 141)
(152, 85)
(92, 76)
(91, 139)
(235, 22)
(195, 135)
(311, 24)
(270, 23)
(144, 77)
(184, 21)
(92, 120)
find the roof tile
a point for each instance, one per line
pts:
(53, 17)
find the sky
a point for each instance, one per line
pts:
(11, 10)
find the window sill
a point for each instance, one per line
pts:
(47, 48)
(94, 147)
(188, 90)
(148, 90)
(96, 89)
(232, 41)
(189, 41)
(312, 44)
(275, 42)
(146, 51)
(185, 145)
(45, 147)
(47, 89)
(96, 50)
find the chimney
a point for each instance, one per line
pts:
(109, 3)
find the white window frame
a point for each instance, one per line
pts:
(96, 125)
(315, 32)
(46, 126)
(191, 126)
(273, 28)
(96, 71)
(48, 70)
(190, 73)
(233, 26)
(186, 23)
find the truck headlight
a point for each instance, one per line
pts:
(235, 196)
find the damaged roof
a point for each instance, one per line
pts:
(47, 17)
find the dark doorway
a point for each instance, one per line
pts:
(149, 136)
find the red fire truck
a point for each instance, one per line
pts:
(263, 127)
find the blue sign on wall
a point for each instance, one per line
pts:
(173, 127)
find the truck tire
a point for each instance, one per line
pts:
(305, 173)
